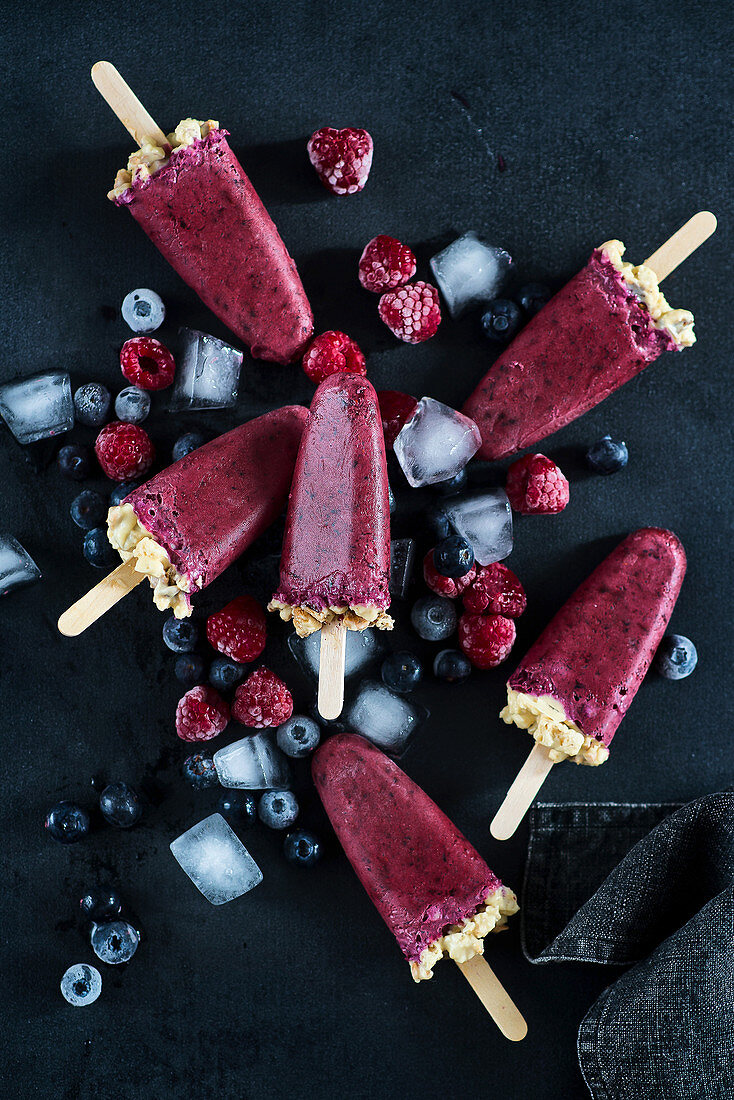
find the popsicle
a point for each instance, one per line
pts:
(577, 681)
(597, 333)
(190, 195)
(431, 887)
(189, 522)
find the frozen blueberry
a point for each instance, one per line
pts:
(199, 771)
(132, 405)
(75, 461)
(401, 671)
(436, 523)
(533, 297)
(180, 635)
(119, 492)
(88, 510)
(185, 444)
(298, 736)
(676, 657)
(100, 906)
(302, 848)
(434, 618)
(453, 557)
(278, 809)
(81, 985)
(67, 822)
(238, 808)
(225, 673)
(501, 320)
(120, 805)
(607, 456)
(115, 942)
(143, 310)
(451, 666)
(189, 669)
(454, 485)
(97, 549)
(92, 404)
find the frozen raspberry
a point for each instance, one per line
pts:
(486, 639)
(385, 264)
(238, 630)
(536, 486)
(124, 450)
(147, 363)
(395, 409)
(412, 313)
(201, 714)
(342, 158)
(445, 586)
(496, 589)
(263, 700)
(331, 353)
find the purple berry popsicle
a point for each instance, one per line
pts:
(431, 887)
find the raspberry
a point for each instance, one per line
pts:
(331, 353)
(147, 363)
(445, 586)
(201, 714)
(496, 589)
(395, 409)
(411, 313)
(486, 639)
(536, 486)
(238, 630)
(124, 450)
(385, 264)
(263, 700)
(342, 158)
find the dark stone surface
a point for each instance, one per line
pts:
(611, 122)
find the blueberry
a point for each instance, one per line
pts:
(120, 805)
(115, 942)
(185, 444)
(302, 848)
(180, 635)
(67, 822)
(533, 297)
(676, 657)
(225, 673)
(119, 492)
(453, 557)
(298, 736)
(501, 320)
(88, 510)
(451, 666)
(97, 549)
(143, 310)
(189, 669)
(607, 456)
(239, 808)
(436, 523)
(434, 618)
(92, 404)
(132, 405)
(401, 671)
(99, 906)
(454, 485)
(81, 985)
(278, 809)
(199, 771)
(75, 461)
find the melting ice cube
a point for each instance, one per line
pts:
(17, 567)
(402, 559)
(255, 763)
(436, 443)
(470, 272)
(387, 719)
(485, 521)
(216, 860)
(362, 649)
(38, 407)
(207, 373)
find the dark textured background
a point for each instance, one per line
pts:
(612, 122)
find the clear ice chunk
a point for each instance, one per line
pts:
(255, 763)
(402, 560)
(17, 567)
(436, 443)
(485, 521)
(362, 649)
(38, 407)
(470, 272)
(207, 373)
(216, 860)
(386, 719)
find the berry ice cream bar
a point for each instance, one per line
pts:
(200, 210)
(336, 552)
(597, 333)
(188, 523)
(431, 887)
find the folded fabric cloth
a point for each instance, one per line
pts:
(665, 1029)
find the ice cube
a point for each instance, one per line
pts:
(470, 272)
(402, 559)
(387, 719)
(485, 521)
(254, 763)
(37, 407)
(362, 649)
(17, 567)
(81, 984)
(216, 860)
(207, 373)
(436, 443)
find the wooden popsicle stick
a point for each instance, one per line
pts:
(100, 599)
(680, 246)
(518, 799)
(494, 997)
(126, 105)
(331, 668)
